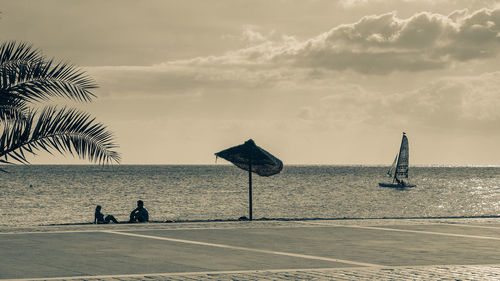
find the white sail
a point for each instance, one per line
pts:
(390, 173)
(401, 173)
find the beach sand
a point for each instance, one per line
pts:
(428, 249)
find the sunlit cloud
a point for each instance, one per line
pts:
(377, 44)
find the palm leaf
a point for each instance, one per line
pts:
(26, 74)
(45, 79)
(12, 108)
(12, 53)
(58, 130)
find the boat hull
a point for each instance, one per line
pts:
(395, 185)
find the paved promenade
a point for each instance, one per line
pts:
(427, 249)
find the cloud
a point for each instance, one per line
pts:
(251, 35)
(300, 72)
(169, 80)
(451, 104)
(351, 4)
(464, 103)
(385, 43)
(377, 44)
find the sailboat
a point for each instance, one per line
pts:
(399, 168)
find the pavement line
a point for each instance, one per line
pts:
(245, 249)
(292, 224)
(471, 225)
(49, 232)
(152, 229)
(412, 231)
(430, 232)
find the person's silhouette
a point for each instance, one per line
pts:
(99, 217)
(139, 214)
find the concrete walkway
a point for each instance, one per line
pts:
(465, 249)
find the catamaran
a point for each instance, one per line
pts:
(399, 169)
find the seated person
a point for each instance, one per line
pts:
(139, 214)
(99, 217)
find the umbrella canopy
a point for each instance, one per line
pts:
(251, 158)
(262, 162)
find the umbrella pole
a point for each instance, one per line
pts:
(250, 189)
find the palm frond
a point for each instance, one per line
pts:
(14, 53)
(41, 80)
(58, 130)
(10, 113)
(12, 108)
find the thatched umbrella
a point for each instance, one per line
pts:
(251, 158)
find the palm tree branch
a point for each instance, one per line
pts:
(12, 108)
(14, 53)
(64, 142)
(61, 130)
(40, 80)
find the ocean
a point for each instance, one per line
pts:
(65, 194)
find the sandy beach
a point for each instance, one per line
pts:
(397, 249)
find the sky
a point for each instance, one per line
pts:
(311, 81)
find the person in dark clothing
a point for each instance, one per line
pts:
(139, 214)
(99, 217)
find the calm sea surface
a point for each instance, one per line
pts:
(69, 194)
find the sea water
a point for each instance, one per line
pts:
(59, 194)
